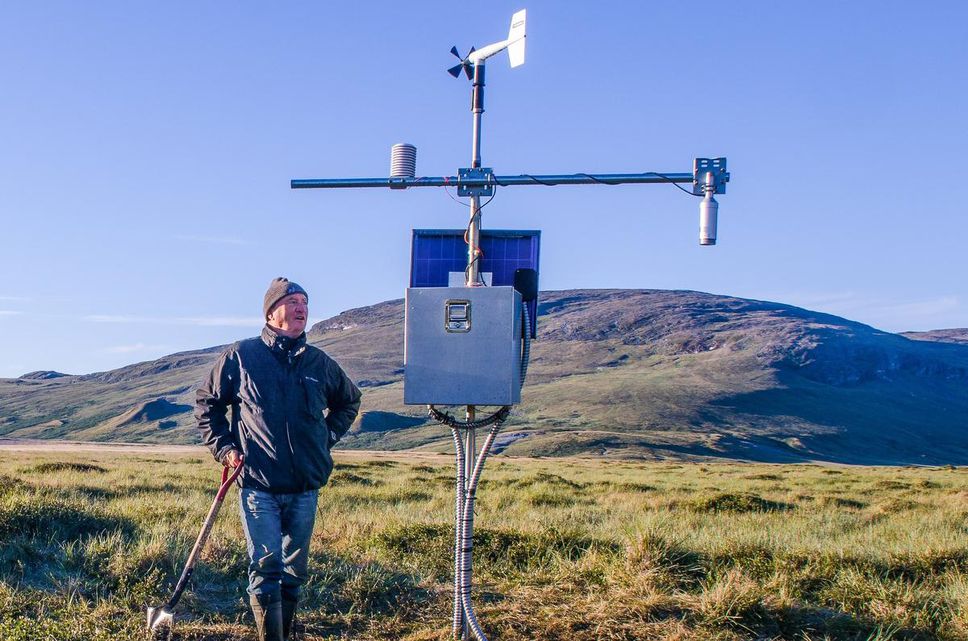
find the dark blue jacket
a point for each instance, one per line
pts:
(290, 403)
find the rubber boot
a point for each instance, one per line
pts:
(288, 616)
(267, 610)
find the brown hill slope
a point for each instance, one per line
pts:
(954, 335)
(639, 373)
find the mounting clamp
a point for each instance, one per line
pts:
(485, 174)
(703, 166)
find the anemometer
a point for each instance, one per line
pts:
(472, 301)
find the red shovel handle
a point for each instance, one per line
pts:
(228, 480)
(186, 574)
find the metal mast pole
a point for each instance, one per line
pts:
(474, 227)
(473, 249)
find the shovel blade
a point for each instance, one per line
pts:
(160, 619)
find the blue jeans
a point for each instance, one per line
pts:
(277, 532)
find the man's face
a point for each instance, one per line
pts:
(290, 314)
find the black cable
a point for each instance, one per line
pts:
(600, 181)
(497, 418)
(480, 275)
(447, 191)
(486, 202)
(467, 233)
(540, 182)
(674, 183)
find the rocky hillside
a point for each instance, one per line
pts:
(616, 373)
(955, 335)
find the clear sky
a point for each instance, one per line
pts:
(146, 151)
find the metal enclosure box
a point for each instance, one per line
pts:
(462, 346)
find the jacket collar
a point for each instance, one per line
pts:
(283, 346)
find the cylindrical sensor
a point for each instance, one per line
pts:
(708, 214)
(403, 160)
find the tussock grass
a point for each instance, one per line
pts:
(890, 484)
(633, 487)
(550, 499)
(10, 484)
(349, 478)
(563, 549)
(736, 502)
(840, 502)
(763, 477)
(63, 466)
(32, 514)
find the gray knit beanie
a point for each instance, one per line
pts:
(279, 288)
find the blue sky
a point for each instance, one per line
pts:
(146, 152)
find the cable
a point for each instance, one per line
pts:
(540, 182)
(480, 276)
(497, 418)
(488, 201)
(673, 183)
(478, 252)
(467, 535)
(452, 197)
(525, 341)
(600, 181)
(597, 180)
(459, 202)
(458, 618)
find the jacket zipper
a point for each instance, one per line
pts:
(292, 452)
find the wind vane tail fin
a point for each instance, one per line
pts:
(516, 37)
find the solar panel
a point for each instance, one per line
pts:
(435, 253)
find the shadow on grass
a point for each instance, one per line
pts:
(63, 466)
(429, 546)
(341, 598)
(55, 520)
(796, 622)
(736, 503)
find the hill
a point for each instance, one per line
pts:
(954, 335)
(616, 373)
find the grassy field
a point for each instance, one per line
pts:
(564, 549)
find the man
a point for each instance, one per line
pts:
(279, 389)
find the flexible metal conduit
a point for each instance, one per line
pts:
(458, 620)
(526, 342)
(467, 536)
(464, 509)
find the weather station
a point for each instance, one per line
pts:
(471, 307)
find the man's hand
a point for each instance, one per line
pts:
(232, 458)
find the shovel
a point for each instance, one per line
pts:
(161, 619)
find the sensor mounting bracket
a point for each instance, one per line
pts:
(478, 175)
(703, 166)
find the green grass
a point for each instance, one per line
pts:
(564, 549)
